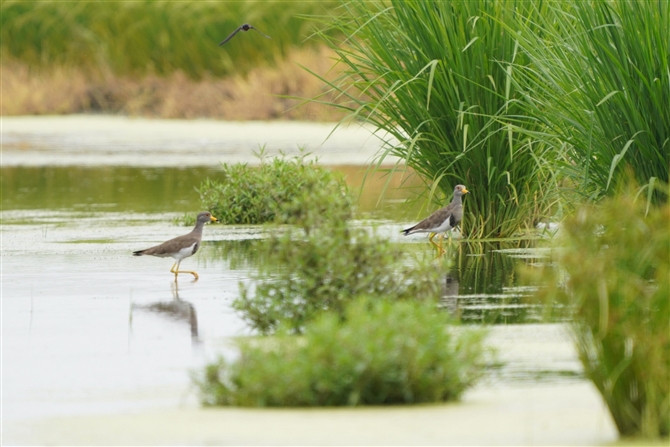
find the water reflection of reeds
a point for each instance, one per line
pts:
(240, 254)
(483, 284)
(480, 284)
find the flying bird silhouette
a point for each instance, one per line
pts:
(243, 27)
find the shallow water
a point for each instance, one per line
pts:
(88, 329)
(95, 140)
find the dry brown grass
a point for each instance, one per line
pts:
(27, 93)
(258, 96)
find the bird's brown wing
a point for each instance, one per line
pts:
(167, 248)
(231, 35)
(264, 35)
(433, 220)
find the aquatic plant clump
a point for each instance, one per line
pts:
(305, 275)
(383, 352)
(615, 280)
(319, 262)
(243, 194)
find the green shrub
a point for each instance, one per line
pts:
(253, 195)
(382, 353)
(319, 262)
(438, 76)
(614, 278)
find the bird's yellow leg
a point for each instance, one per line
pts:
(176, 271)
(430, 239)
(191, 272)
(440, 249)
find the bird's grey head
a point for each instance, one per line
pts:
(459, 190)
(205, 217)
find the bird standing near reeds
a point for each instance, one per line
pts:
(243, 27)
(442, 220)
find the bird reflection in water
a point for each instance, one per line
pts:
(176, 310)
(449, 297)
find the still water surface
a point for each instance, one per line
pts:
(89, 329)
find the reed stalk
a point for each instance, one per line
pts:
(613, 279)
(600, 83)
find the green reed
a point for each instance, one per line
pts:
(150, 36)
(599, 80)
(613, 280)
(438, 77)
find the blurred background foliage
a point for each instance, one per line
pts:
(162, 59)
(610, 274)
(152, 36)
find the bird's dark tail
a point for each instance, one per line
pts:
(406, 231)
(138, 252)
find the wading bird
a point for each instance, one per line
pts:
(442, 220)
(182, 246)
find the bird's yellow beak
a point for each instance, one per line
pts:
(465, 191)
(214, 219)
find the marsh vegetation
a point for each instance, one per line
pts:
(161, 59)
(540, 109)
(323, 283)
(320, 262)
(242, 194)
(444, 90)
(376, 352)
(613, 277)
(513, 100)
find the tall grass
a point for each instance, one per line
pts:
(438, 76)
(600, 82)
(149, 36)
(614, 280)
